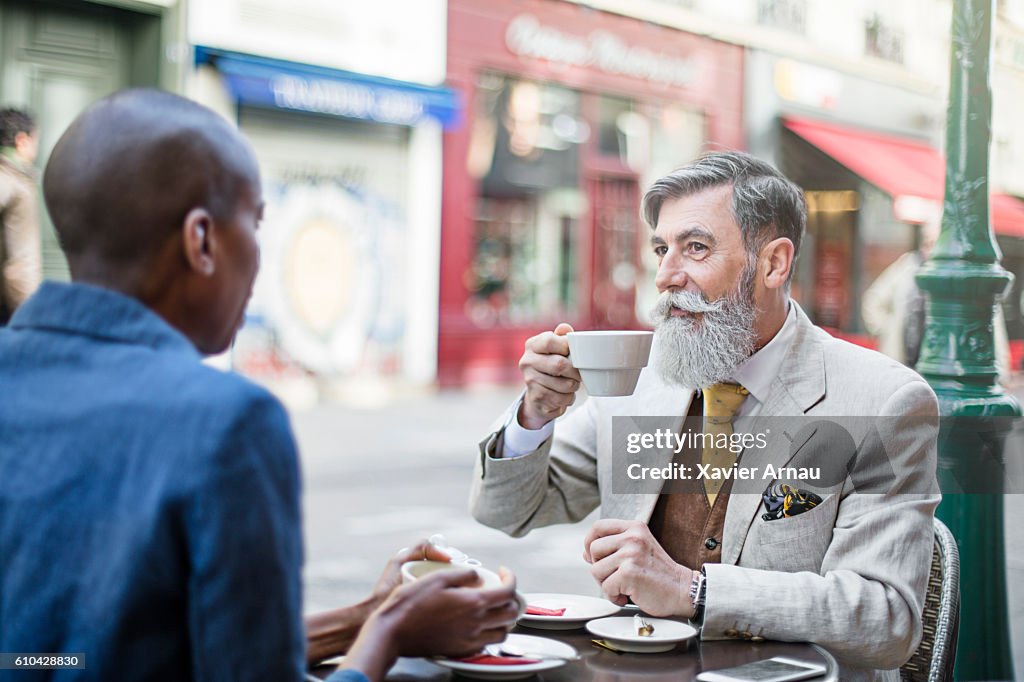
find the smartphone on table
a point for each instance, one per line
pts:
(778, 669)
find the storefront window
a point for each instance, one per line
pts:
(624, 132)
(524, 152)
(611, 137)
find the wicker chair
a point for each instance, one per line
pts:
(933, 660)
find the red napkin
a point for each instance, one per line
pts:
(487, 659)
(541, 611)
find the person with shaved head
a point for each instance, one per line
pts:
(149, 504)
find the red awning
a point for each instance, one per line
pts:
(1007, 215)
(900, 167)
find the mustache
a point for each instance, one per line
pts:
(688, 301)
(695, 354)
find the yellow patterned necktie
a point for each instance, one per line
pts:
(721, 401)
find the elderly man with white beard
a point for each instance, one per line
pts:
(850, 571)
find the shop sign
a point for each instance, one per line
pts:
(526, 36)
(346, 99)
(259, 81)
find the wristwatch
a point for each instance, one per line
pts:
(698, 594)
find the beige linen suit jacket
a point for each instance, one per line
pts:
(849, 574)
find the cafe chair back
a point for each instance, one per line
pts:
(935, 655)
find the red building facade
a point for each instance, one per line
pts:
(569, 113)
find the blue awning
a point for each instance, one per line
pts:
(275, 83)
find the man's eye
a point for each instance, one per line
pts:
(696, 248)
(660, 251)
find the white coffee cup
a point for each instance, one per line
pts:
(413, 570)
(610, 361)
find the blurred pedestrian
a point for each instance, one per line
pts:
(149, 503)
(20, 252)
(893, 307)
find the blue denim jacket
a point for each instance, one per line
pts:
(149, 505)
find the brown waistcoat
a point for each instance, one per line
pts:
(683, 522)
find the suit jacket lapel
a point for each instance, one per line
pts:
(799, 386)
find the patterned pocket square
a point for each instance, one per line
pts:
(782, 501)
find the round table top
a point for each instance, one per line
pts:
(684, 662)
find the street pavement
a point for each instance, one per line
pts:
(382, 477)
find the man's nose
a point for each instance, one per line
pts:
(671, 275)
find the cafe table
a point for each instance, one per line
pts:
(682, 663)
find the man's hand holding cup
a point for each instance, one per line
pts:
(551, 380)
(556, 363)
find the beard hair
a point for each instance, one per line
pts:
(696, 353)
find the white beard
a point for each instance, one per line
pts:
(696, 353)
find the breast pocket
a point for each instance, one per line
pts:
(797, 543)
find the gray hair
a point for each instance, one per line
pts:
(766, 204)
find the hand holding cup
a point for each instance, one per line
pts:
(551, 380)
(391, 577)
(556, 363)
(443, 613)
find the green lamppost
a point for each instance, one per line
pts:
(963, 279)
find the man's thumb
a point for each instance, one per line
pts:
(563, 328)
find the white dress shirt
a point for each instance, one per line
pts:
(756, 374)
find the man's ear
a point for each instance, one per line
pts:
(198, 240)
(777, 262)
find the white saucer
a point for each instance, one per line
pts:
(621, 633)
(578, 610)
(527, 643)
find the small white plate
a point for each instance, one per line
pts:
(578, 610)
(540, 645)
(621, 633)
